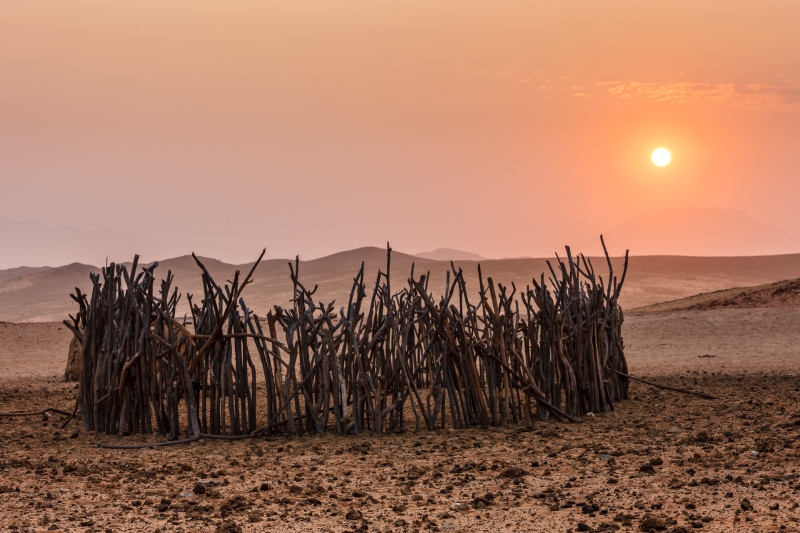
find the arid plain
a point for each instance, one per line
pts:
(662, 461)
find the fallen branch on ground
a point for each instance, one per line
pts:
(44, 411)
(171, 442)
(673, 389)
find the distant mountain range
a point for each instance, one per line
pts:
(41, 295)
(36, 244)
(19, 272)
(705, 232)
(450, 254)
(724, 241)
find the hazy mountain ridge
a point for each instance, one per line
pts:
(695, 231)
(704, 232)
(36, 243)
(450, 254)
(18, 272)
(44, 295)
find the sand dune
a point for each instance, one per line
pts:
(19, 272)
(44, 295)
(779, 294)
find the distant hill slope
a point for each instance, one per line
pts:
(784, 293)
(36, 243)
(44, 296)
(12, 273)
(695, 231)
(39, 297)
(450, 254)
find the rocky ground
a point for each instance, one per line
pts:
(662, 462)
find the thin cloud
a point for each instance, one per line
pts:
(747, 96)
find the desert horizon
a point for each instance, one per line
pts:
(38, 294)
(700, 232)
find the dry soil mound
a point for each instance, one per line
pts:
(779, 294)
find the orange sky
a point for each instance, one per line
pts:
(504, 128)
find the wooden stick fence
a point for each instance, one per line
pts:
(511, 357)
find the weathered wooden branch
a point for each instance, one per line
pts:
(45, 411)
(673, 389)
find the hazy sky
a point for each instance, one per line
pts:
(313, 127)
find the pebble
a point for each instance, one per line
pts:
(352, 514)
(652, 522)
(513, 472)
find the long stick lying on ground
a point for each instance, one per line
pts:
(512, 356)
(45, 411)
(673, 389)
(172, 442)
(150, 445)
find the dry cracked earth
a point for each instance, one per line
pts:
(663, 461)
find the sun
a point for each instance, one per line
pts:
(661, 157)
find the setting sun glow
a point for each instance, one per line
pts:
(661, 157)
